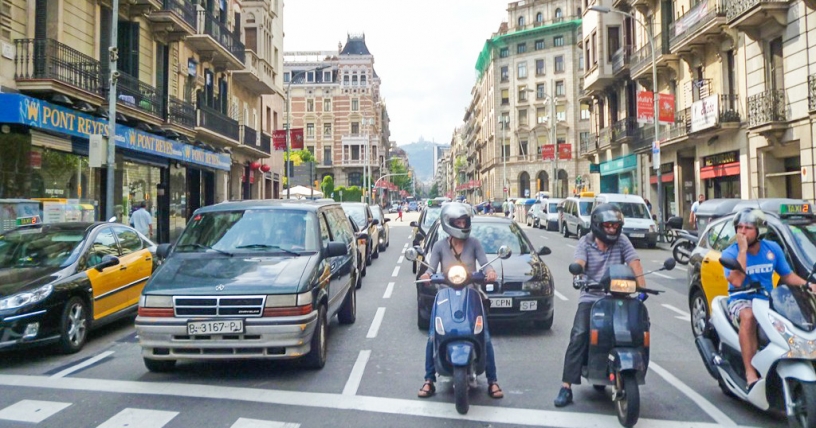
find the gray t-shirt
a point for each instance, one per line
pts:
(597, 261)
(472, 252)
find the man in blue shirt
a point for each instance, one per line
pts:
(760, 259)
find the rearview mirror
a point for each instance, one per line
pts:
(576, 269)
(669, 264)
(386, 220)
(505, 252)
(375, 222)
(335, 249)
(163, 250)
(411, 254)
(413, 224)
(544, 251)
(731, 263)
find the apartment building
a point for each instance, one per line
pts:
(188, 103)
(335, 97)
(737, 74)
(529, 72)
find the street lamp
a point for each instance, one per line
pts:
(656, 148)
(288, 120)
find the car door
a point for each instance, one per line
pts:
(712, 275)
(107, 282)
(135, 263)
(372, 228)
(340, 230)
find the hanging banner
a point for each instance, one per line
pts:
(279, 139)
(296, 139)
(666, 105)
(565, 151)
(645, 107)
(548, 152)
(704, 113)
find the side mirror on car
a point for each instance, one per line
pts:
(375, 222)
(544, 251)
(386, 220)
(731, 263)
(335, 249)
(411, 254)
(413, 224)
(576, 269)
(107, 261)
(163, 250)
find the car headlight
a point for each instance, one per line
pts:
(532, 285)
(26, 298)
(799, 347)
(457, 275)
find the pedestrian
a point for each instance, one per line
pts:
(506, 208)
(142, 220)
(511, 206)
(399, 212)
(694, 207)
(648, 204)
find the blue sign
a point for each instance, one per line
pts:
(619, 165)
(16, 108)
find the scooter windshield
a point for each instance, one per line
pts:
(796, 305)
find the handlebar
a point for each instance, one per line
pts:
(579, 283)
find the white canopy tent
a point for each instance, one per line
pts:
(300, 192)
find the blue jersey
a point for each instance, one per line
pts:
(761, 267)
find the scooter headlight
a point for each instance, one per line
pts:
(457, 275)
(622, 286)
(479, 325)
(440, 329)
(799, 347)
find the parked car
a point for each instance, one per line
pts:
(383, 231)
(255, 279)
(575, 216)
(60, 280)
(361, 237)
(638, 224)
(413, 206)
(423, 225)
(524, 293)
(535, 214)
(550, 208)
(395, 206)
(360, 214)
(791, 223)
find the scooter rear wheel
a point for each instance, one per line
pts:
(460, 389)
(628, 406)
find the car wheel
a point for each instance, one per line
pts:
(73, 326)
(376, 254)
(316, 358)
(651, 244)
(159, 366)
(348, 312)
(698, 306)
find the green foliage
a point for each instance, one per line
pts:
(402, 181)
(349, 194)
(434, 192)
(299, 156)
(327, 186)
(460, 164)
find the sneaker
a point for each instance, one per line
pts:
(564, 397)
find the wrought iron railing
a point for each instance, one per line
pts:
(735, 8)
(218, 31)
(266, 143)
(249, 136)
(587, 144)
(643, 56)
(729, 108)
(698, 16)
(218, 123)
(812, 92)
(767, 107)
(621, 58)
(605, 137)
(682, 123)
(134, 93)
(182, 8)
(624, 128)
(50, 59)
(181, 113)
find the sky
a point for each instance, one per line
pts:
(424, 51)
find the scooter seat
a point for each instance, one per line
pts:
(762, 338)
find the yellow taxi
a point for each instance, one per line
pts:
(59, 280)
(791, 223)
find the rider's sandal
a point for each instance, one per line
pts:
(494, 392)
(750, 386)
(428, 389)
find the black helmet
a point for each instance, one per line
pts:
(455, 211)
(606, 213)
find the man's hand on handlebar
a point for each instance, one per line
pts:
(490, 276)
(425, 277)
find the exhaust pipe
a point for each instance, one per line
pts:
(709, 355)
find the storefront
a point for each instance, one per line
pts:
(618, 175)
(667, 180)
(47, 154)
(720, 174)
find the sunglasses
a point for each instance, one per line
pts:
(610, 225)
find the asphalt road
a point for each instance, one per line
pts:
(374, 370)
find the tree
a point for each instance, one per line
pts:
(434, 192)
(402, 181)
(327, 186)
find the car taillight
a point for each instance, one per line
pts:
(291, 311)
(156, 312)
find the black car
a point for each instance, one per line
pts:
(525, 287)
(60, 280)
(255, 279)
(360, 214)
(423, 226)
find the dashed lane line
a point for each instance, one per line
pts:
(388, 290)
(683, 315)
(375, 325)
(561, 296)
(353, 382)
(400, 259)
(396, 271)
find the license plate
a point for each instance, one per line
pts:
(528, 305)
(637, 235)
(196, 328)
(501, 303)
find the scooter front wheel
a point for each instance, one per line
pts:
(628, 405)
(460, 389)
(803, 396)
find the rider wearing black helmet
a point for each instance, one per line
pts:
(463, 250)
(604, 246)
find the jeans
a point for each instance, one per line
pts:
(490, 358)
(578, 346)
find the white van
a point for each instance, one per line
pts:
(638, 224)
(575, 214)
(550, 208)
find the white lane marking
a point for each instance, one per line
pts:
(396, 271)
(680, 268)
(561, 296)
(375, 325)
(721, 418)
(570, 245)
(395, 406)
(83, 364)
(388, 290)
(683, 315)
(34, 411)
(139, 418)
(257, 423)
(543, 237)
(400, 259)
(663, 276)
(357, 371)
(406, 245)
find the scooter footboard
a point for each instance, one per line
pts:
(629, 359)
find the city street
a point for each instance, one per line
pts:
(374, 369)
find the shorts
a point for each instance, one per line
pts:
(735, 307)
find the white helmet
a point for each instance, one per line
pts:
(450, 213)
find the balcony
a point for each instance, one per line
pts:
(46, 65)
(141, 7)
(214, 125)
(217, 43)
(352, 162)
(703, 20)
(176, 19)
(767, 113)
(249, 141)
(642, 142)
(138, 99)
(588, 145)
(624, 130)
(758, 19)
(681, 126)
(620, 60)
(181, 113)
(605, 138)
(266, 143)
(256, 76)
(641, 62)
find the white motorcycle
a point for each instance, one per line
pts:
(786, 324)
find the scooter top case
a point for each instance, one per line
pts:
(622, 325)
(456, 312)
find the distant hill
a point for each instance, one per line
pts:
(420, 156)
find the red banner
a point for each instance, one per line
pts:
(564, 151)
(279, 139)
(666, 104)
(296, 139)
(548, 152)
(645, 107)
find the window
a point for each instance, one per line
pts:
(505, 119)
(541, 115)
(558, 41)
(129, 241)
(355, 104)
(559, 16)
(103, 245)
(594, 48)
(504, 52)
(539, 18)
(309, 105)
(522, 93)
(355, 154)
(539, 67)
(355, 128)
(612, 41)
(327, 104)
(327, 129)
(539, 44)
(520, 21)
(559, 64)
(310, 130)
(346, 79)
(286, 77)
(327, 156)
(505, 73)
(560, 90)
(522, 117)
(505, 96)
(774, 66)
(354, 80)
(561, 114)
(506, 151)
(362, 80)
(584, 111)
(540, 91)
(523, 148)
(521, 48)
(310, 76)
(522, 70)
(580, 60)
(327, 76)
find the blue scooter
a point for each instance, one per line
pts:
(457, 319)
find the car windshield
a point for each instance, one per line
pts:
(805, 236)
(431, 214)
(633, 210)
(375, 210)
(494, 235)
(276, 230)
(38, 247)
(553, 207)
(585, 207)
(357, 213)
